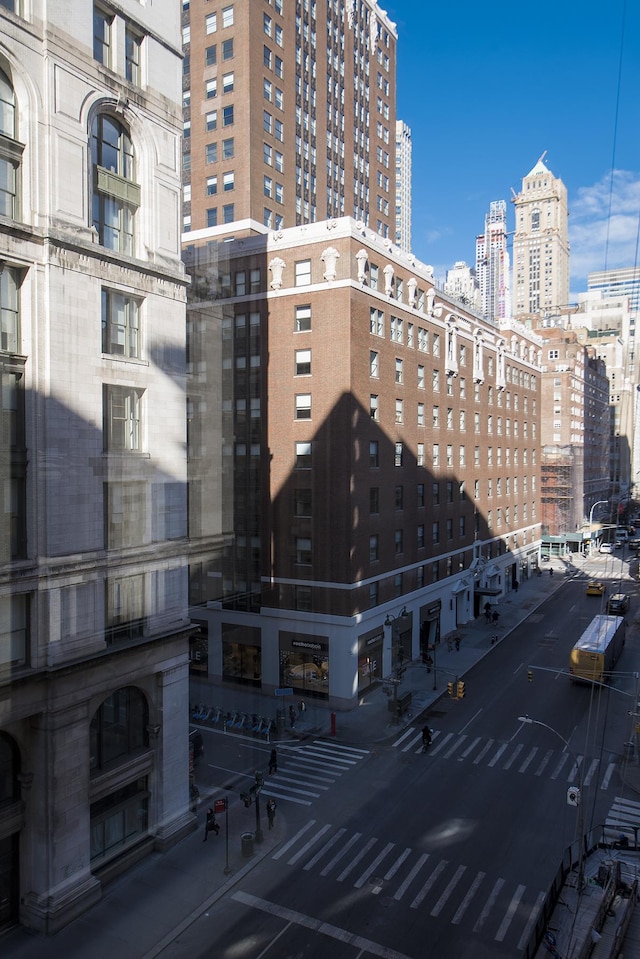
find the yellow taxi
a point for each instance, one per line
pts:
(595, 588)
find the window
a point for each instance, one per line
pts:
(228, 213)
(212, 185)
(374, 454)
(302, 503)
(227, 116)
(227, 82)
(435, 454)
(398, 541)
(420, 377)
(303, 406)
(227, 16)
(228, 149)
(211, 23)
(102, 23)
(373, 407)
(374, 363)
(228, 181)
(120, 324)
(212, 216)
(420, 455)
(435, 533)
(302, 319)
(122, 412)
(373, 548)
(303, 362)
(10, 151)
(227, 49)
(399, 411)
(211, 55)
(303, 456)
(10, 280)
(399, 371)
(420, 496)
(399, 497)
(374, 500)
(132, 47)
(14, 631)
(303, 550)
(211, 153)
(303, 273)
(278, 130)
(398, 454)
(119, 727)
(116, 196)
(420, 414)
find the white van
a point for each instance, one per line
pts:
(621, 535)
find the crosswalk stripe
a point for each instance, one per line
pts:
(331, 757)
(514, 755)
(287, 846)
(341, 747)
(412, 742)
(453, 882)
(302, 769)
(442, 865)
(556, 772)
(325, 849)
(359, 883)
(506, 922)
(593, 768)
(483, 752)
(449, 753)
(407, 732)
(464, 905)
(440, 744)
(294, 799)
(498, 754)
(532, 755)
(354, 862)
(400, 891)
(469, 749)
(281, 779)
(575, 770)
(312, 842)
(342, 852)
(545, 762)
(533, 916)
(488, 906)
(606, 779)
(391, 872)
(292, 789)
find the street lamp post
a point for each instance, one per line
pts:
(577, 800)
(599, 502)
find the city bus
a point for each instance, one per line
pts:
(596, 652)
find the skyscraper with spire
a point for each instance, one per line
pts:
(541, 244)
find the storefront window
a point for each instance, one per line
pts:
(369, 660)
(304, 664)
(119, 819)
(241, 655)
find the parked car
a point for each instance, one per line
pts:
(621, 535)
(634, 543)
(606, 547)
(618, 604)
(595, 588)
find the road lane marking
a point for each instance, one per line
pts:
(283, 780)
(408, 732)
(606, 779)
(575, 769)
(391, 872)
(488, 906)
(325, 849)
(483, 752)
(513, 905)
(535, 912)
(412, 742)
(469, 749)
(327, 869)
(591, 772)
(319, 926)
(359, 883)
(354, 862)
(453, 882)
(545, 762)
(455, 746)
(462, 908)
(556, 772)
(440, 745)
(277, 795)
(442, 865)
(532, 755)
(514, 755)
(301, 852)
(287, 846)
(400, 891)
(497, 755)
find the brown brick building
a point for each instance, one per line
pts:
(383, 454)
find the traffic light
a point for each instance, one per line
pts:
(530, 675)
(460, 690)
(450, 689)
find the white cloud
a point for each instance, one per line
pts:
(603, 226)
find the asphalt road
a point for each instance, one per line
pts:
(402, 855)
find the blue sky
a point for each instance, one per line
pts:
(487, 88)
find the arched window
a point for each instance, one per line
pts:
(9, 769)
(116, 195)
(10, 150)
(119, 728)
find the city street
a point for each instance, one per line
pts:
(447, 854)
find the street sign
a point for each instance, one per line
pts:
(285, 691)
(220, 805)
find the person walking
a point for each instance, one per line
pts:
(273, 762)
(495, 617)
(302, 708)
(211, 824)
(487, 612)
(426, 738)
(271, 811)
(516, 585)
(292, 716)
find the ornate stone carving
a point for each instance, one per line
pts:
(362, 260)
(388, 279)
(276, 266)
(330, 257)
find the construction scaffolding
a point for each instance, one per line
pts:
(561, 488)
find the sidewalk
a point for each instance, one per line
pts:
(146, 909)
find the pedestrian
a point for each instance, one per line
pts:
(426, 738)
(515, 585)
(211, 825)
(302, 708)
(292, 716)
(271, 811)
(273, 762)
(495, 617)
(487, 612)
(551, 571)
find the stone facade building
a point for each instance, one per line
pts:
(94, 765)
